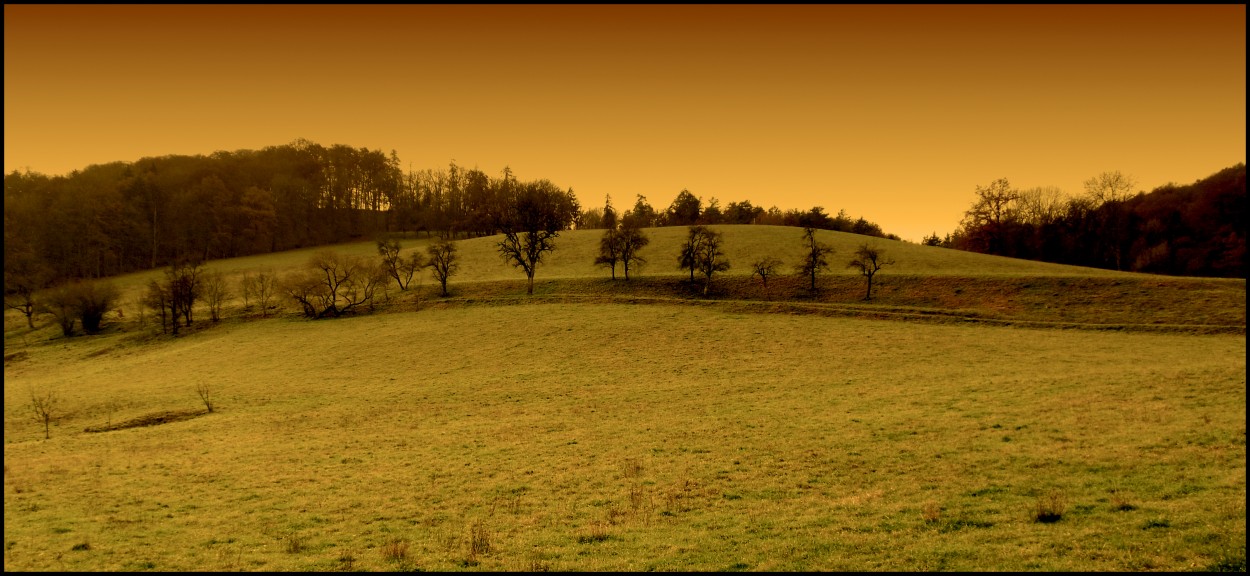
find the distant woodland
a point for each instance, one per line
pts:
(121, 217)
(1193, 230)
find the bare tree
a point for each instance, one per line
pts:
(397, 267)
(1110, 187)
(609, 250)
(631, 239)
(205, 393)
(869, 260)
(443, 261)
(531, 222)
(59, 301)
(24, 275)
(995, 208)
(334, 284)
(687, 259)
(709, 258)
(815, 257)
(247, 288)
(46, 409)
(157, 298)
(765, 267)
(215, 293)
(263, 287)
(183, 280)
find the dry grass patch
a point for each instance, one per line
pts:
(617, 437)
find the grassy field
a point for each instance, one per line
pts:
(580, 430)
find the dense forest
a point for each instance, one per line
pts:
(1193, 230)
(121, 217)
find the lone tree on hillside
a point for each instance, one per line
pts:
(530, 223)
(46, 409)
(397, 267)
(443, 261)
(765, 267)
(869, 260)
(815, 257)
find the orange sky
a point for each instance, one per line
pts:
(893, 113)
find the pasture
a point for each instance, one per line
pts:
(581, 430)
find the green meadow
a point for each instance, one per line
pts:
(979, 413)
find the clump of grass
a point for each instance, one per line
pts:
(479, 541)
(1050, 507)
(294, 544)
(931, 512)
(84, 545)
(597, 532)
(1156, 523)
(347, 561)
(537, 564)
(631, 467)
(1120, 501)
(393, 551)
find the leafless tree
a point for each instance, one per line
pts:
(1110, 187)
(766, 267)
(264, 285)
(815, 257)
(205, 393)
(46, 409)
(184, 283)
(157, 298)
(443, 261)
(869, 260)
(334, 284)
(59, 302)
(215, 293)
(687, 259)
(631, 240)
(709, 258)
(609, 250)
(396, 266)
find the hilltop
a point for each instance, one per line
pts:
(925, 283)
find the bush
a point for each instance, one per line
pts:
(84, 302)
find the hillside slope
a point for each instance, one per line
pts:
(925, 282)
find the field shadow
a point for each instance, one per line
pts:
(153, 419)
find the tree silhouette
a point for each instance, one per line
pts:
(815, 257)
(869, 260)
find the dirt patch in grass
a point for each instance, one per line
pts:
(15, 356)
(152, 419)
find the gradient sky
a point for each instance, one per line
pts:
(893, 113)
